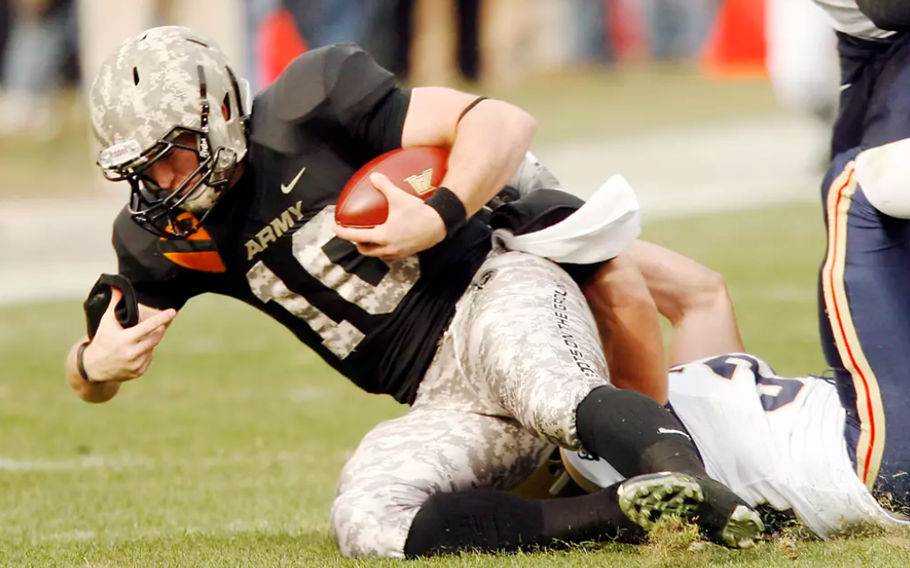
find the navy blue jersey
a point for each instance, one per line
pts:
(875, 77)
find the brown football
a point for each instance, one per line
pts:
(418, 170)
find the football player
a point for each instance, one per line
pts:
(864, 285)
(774, 440)
(872, 44)
(496, 351)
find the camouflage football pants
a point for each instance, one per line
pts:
(519, 356)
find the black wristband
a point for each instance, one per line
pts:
(467, 109)
(80, 365)
(449, 207)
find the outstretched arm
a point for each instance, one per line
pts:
(694, 298)
(629, 327)
(626, 295)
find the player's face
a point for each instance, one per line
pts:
(169, 172)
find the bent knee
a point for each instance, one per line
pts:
(373, 523)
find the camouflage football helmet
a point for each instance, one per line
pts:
(158, 87)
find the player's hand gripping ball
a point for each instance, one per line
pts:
(418, 170)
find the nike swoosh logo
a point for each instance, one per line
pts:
(285, 189)
(844, 87)
(672, 431)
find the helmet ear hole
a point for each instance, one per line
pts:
(135, 76)
(226, 107)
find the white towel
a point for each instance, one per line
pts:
(605, 226)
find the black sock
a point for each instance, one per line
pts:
(487, 520)
(589, 517)
(635, 434)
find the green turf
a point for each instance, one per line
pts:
(227, 451)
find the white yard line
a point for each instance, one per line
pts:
(54, 249)
(299, 527)
(92, 462)
(20, 465)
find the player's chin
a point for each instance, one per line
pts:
(201, 201)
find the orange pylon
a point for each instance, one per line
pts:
(279, 44)
(736, 47)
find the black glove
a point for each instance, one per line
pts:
(127, 310)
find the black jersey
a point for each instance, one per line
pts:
(893, 15)
(269, 241)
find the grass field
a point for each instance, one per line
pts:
(226, 452)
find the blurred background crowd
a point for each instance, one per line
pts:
(49, 45)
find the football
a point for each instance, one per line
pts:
(418, 170)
